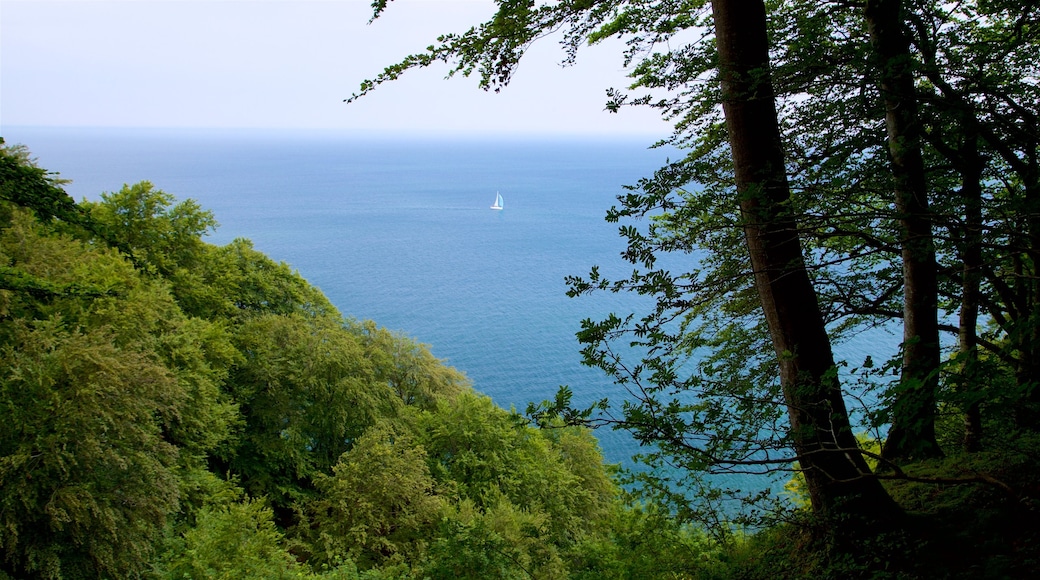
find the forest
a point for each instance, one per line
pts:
(176, 409)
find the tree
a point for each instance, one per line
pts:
(379, 504)
(408, 368)
(964, 62)
(87, 480)
(307, 393)
(236, 540)
(110, 394)
(24, 184)
(819, 427)
(98, 406)
(977, 60)
(522, 500)
(912, 432)
(491, 458)
(838, 478)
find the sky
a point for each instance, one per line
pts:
(284, 65)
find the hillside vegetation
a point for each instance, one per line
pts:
(176, 409)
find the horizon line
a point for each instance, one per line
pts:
(347, 131)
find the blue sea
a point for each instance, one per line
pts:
(400, 231)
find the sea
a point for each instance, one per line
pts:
(399, 230)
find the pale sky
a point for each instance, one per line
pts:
(283, 64)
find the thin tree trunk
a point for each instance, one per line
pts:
(912, 433)
(971, 165)
(838, 479)
(971, 280)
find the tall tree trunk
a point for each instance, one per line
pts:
(912, 433)
(972, 166)
(838, 479)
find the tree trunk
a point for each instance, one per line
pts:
(912, 433)
(838, 479)
(972, 166)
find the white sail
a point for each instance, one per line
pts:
(498, 201)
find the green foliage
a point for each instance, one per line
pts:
(500, 540)
(46, 274)
(86, 478)
(163, 238)
(645, 542)
(143, 388)
(698, 364)
(307, 393)
(232, 541)
(409, 368)
(701, 373)
(236, 281)
(489, 455)
(379, 504)
(109, 397)
(24, 184)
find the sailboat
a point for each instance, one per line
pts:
(498, 201)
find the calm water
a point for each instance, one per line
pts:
(400, 232)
